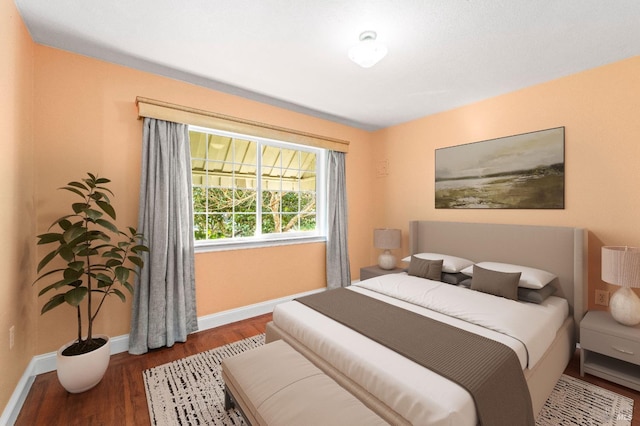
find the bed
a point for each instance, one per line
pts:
(403, 392)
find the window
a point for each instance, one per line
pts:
(249, 189)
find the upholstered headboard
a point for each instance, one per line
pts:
(560, 250)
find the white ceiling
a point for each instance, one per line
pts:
(293, 53)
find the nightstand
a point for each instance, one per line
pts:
(375, 271)
(610, 350)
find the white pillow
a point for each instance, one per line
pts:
(450, 264)
(529, 278)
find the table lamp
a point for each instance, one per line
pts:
(621, 266)
(387, 239)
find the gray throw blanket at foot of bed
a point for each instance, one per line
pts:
(488, 370)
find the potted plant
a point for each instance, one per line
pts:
(95, 260)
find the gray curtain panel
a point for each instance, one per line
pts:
(164, 304)
(338, 270)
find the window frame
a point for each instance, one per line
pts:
(275, 239)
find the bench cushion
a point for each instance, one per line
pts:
(276, 385)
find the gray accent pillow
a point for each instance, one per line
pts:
(535, 295)
(465, 283)
(503, 284)
(423, 268)
(455, 279)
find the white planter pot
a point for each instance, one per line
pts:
(79, 373)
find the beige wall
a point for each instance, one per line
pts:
(600, 111)
(17, 218)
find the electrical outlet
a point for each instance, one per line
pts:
(602, 297)
(12, 336)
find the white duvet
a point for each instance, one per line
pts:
(420, 395)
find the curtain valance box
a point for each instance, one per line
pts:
(181, 114)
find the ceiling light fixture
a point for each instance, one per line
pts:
(368, 52)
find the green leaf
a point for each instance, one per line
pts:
(113, 263)
(113, 254)
(46, 259)
(86, 251)
(46, 289)
(73, 233)
(128, 287)
(136, 261)
(119, 294)
(105, 278)
(79, 207)
(68, 188)
(93, 214)
(99, 235)
(122, 274)
(137, 249)
(77, 265)
(107, 208)
(104, 188)
(78, 185)
(105, 223)
(64, 224)
(72, 274)
(67, 281)
(102, 284)
(56, 300)
(66, 252)
(100, 181)
(53, 271)
(74, 297)
(49, 238)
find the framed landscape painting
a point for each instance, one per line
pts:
(516, 172)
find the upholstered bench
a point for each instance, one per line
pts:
(275, 385)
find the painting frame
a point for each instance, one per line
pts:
(523, 171)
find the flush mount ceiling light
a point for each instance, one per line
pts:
(368, 52)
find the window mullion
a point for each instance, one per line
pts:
(259, 188)
(207, 212)
(234, 192)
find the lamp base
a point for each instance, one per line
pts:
(387, 260)
(625, 306)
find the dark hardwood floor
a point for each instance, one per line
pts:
(119, 399)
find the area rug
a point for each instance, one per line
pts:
(190, 391)
(574, 402)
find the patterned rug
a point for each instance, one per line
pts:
(574, 402)
(189, 391)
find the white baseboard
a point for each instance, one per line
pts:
(227, 317)
(11, 411)
(47, 362)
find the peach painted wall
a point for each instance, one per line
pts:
(64, 114)
(600, 111)
(86, 120)
(17, 252)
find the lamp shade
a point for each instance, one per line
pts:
(387, 239)
(621, 266)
